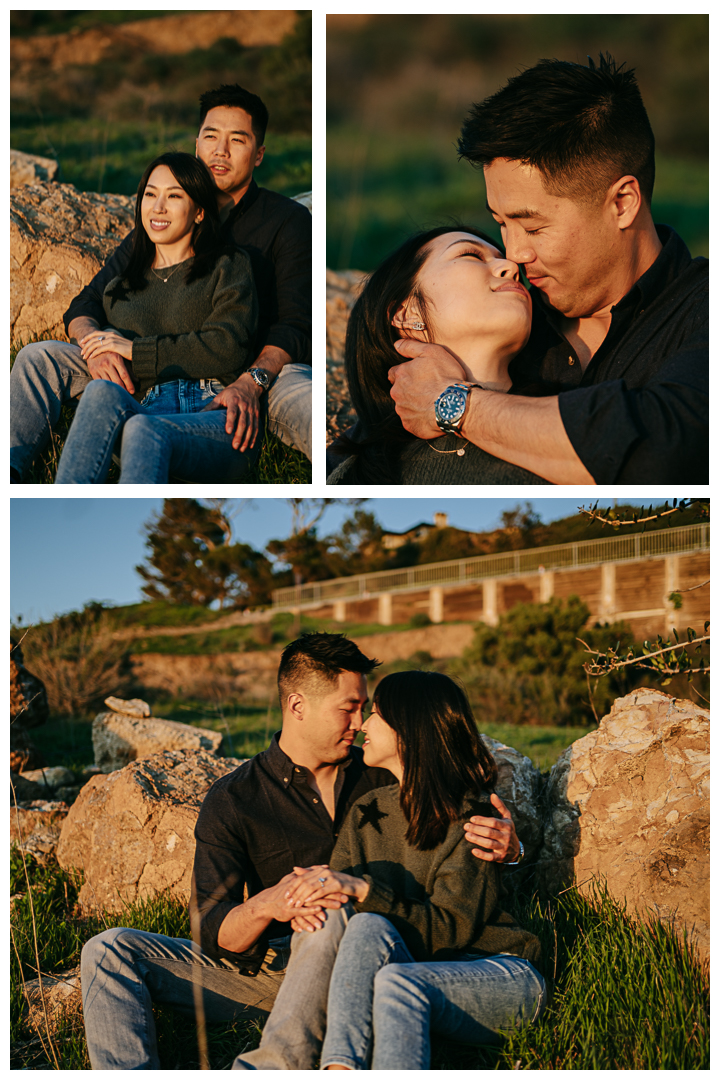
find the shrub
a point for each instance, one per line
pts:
(419, 619)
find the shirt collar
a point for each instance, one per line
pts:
(285, 769)
(250, 196)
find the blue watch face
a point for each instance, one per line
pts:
(450, 406)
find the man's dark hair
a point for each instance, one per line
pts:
(443, 756)
(581, 127)
(236, 97)
(312, 664)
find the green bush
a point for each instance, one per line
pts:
(420, 619)
(528, 669)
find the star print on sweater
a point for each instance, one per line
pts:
(371, 815)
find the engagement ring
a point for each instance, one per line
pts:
(322, 880)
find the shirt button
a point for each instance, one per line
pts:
(314, 800)
(297, 770)
(285, 779)
(571, 360)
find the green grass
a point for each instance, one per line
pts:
(382, 189)
(626, 996)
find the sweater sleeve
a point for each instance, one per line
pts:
(463, 895)
(222, 346)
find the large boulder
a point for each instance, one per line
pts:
(119, 739)
(132, 832)
(29, 168)
(341, 291)
(629, 805)
(59, 238)
(518, 785)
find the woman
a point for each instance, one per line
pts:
(429, 947)
(183, 316)
(450, 285)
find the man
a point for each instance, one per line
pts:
(620, 319)
(280, 810)
(274, 230)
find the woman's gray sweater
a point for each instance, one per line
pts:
(443, 902)
(203, 330)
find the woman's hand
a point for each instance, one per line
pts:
(496, 837)
(102, 341)
(320, 885)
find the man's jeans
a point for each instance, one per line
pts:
(382, 1003)
(124, 971)
(292, 1037)
(165, 438)
(48, 374)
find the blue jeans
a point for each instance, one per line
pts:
(48, 374)
(123, 971)
(383, 1004)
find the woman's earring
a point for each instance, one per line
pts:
(417, 326)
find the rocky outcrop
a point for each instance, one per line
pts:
(36, 828)
(341, 291)
(28, 697)
(629, 805)
(59, 238)
(29, 168)
(132, 832)
(119, 738)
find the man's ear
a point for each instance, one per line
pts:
(259, 156)
(296, 706)
(625, 200)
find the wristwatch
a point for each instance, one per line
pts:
(520, 857)
(262, 378)
(450, 406)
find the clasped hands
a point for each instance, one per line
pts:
(315, 888)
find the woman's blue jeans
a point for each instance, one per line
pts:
(164, 437)
(383, 1005)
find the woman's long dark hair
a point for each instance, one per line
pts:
(207, 239)
(369, 355)
(443, 756)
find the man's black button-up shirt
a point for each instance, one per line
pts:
(255, 824)
(639, 412)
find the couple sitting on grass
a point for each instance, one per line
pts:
(195, 332)
(383, 860)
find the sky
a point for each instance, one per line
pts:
(66, 552)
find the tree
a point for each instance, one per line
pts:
(192, 559)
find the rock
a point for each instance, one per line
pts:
(133, 707)
(341, 291)
(59, 238)
(119, 739)
(28, 697)
(53, 777)
(36, 829)
(62, 994)
(630, 804)
(305, 199)
(518, 786)
(28, 168)
(25, 790)
(132, 832)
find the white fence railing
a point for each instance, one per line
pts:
(502, 564)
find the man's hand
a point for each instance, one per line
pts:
(417, 384)
(496, 837)
(242, 401)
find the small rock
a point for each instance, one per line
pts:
(133, 707)
(119, 739)
(29, 168)
(61, 993)
(54, 776)
(68, 794)
(25, 790)
(36, 828)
